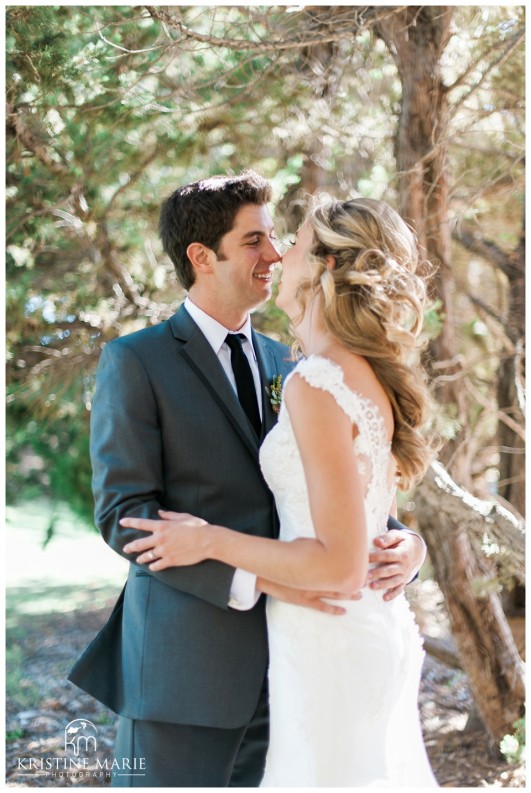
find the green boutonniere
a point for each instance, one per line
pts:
(275, 393)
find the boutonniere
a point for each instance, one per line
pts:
(275, 393)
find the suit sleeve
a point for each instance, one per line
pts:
(126, 455)
(393, 523)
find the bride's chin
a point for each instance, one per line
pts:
(285, 308)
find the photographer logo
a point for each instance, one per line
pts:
(78, 759)
(81, 735)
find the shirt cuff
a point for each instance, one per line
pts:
(243, 594)
(417, 569)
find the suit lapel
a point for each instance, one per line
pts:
(201, 358)
(268, 368)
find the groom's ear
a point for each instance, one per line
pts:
(200, 256)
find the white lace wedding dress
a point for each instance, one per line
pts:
(343, 689)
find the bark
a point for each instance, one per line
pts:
(416, 38)
(486, 646)
(443, 650)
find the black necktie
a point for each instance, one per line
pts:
(244, 380)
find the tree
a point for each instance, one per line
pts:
(487, 649)
(417, 38)
(510, 327)
(109, 107)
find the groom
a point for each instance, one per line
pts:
(179, 413)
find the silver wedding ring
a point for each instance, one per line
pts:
(151, 555)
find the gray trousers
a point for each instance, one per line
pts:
(161, 754)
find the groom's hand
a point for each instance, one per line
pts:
(397, 558)
(304, 597)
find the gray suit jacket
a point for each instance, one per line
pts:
(167, 430)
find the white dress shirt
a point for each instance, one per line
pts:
(243, 594)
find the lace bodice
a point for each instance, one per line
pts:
(282, 466)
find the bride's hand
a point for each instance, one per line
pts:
(176, 540)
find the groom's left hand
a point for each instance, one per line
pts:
(397, 557)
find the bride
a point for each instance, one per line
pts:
(343, 691)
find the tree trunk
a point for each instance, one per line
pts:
(416, 38)
(486, 645)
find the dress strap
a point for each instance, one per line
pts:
(329, 376)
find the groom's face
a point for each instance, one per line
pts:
(242, 272)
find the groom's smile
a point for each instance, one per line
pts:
(267, 276)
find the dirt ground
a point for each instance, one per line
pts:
(44, 646)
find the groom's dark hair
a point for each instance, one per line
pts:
(204, 212)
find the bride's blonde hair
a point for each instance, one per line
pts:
(373, 301)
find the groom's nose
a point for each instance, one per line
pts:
(271, 253)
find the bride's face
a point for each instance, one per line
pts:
(295, 269)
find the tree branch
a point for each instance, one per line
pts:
(500, 415)
(358, 19)
(123, 283)
(476, 516)
(519, 360)
(479, 303)
(443, 650)
(497, 63)
(488, 250)
(28, 139)
(132, 178)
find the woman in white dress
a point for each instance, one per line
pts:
(343, 690)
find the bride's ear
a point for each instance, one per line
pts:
(330, 263)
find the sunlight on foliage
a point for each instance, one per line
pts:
(111, 107)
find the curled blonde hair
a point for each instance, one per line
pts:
(373, 302)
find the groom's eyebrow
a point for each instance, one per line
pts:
(258, 233)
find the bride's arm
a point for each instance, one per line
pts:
(336, 560)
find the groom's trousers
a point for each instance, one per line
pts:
(161, 754)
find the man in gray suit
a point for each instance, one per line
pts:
(183, 657)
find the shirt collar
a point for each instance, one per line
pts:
(214, 332)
